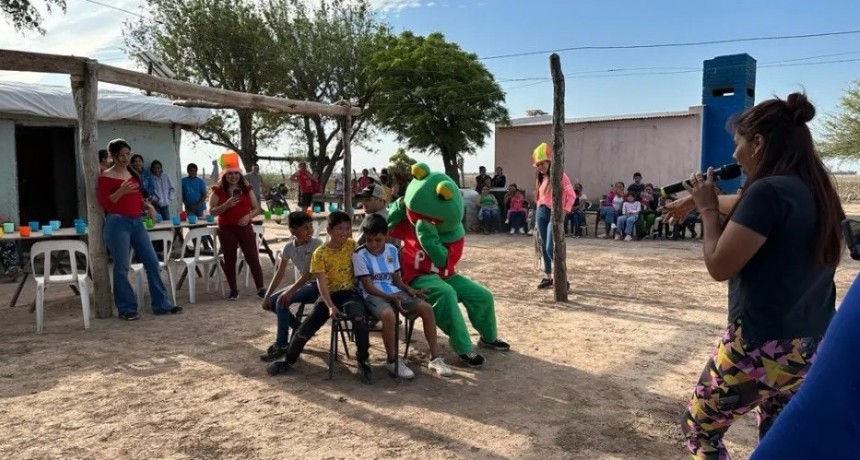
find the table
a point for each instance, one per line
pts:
(15, 237)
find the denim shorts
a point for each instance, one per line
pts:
(377, 305)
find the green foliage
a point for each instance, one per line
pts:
(400, 168)
(25, 16)
(436, 97)
(842, 129)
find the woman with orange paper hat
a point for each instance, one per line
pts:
(542, 159)
(235, 205)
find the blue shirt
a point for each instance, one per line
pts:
(379, 267)
(821, 421)
(193, 190)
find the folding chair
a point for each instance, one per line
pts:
(340, 327)
(81, 280)
(258, 234)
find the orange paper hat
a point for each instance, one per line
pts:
(230, 161)
(541, 153)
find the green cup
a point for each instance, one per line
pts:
(267, 215)
(149, 223)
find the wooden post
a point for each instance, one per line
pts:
(346, 133)
(85, 89)
(559, 258)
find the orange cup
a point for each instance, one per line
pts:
(24, 230)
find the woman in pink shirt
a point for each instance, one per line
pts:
(542, 159)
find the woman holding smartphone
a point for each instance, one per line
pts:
(235, 205)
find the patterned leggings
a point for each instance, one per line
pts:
(740, 377)
(8, 256)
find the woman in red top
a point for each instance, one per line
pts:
(308, 185)
(233, 202)
(119, 193)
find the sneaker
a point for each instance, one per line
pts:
(545, 283)
(261, 293)
(278, 367)
(618, 237)
(613, 227)
(402, 370)
(13, 273)
(472, 358)
(273, 353)
(522, 231)
(439, 367)
(628, 238)
(172, 311)
(512, 231)
(234, 295)
(499, 345)
(507, 221)
(129, 316)
(365, 372)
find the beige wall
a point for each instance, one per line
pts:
(598, 153)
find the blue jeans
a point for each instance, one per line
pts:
(307, 294)
(628, 223)
(543, 217)
(607, 213)
(489, 218)
(573, 221)
(121, 234)
(164, 211)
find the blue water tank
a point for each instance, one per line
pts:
(728, 88)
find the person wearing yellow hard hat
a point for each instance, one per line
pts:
(542, 160)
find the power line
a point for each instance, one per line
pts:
(106, 5)
(671, 45)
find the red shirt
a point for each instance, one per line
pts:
(232, 215)
(414, 262)
(364, 181)
(128, 205)
(306, 182)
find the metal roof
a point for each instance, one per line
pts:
(547, 119)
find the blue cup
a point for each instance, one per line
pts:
(34, 226)
(192, 219)
(80, 221)
(175, 220)
(332, 208)
(55, 224)
(80, 228)
(158, 218)
(48, 229)
(8, 227)
(210, 218)
(317, 209)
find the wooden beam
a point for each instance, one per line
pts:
(85, 89)
(284, 158)
(181, 89)
(559, 257)
(212, 105)
(346, 136)
(21, 61)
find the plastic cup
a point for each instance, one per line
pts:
(267, 214)
(183, 216)
(47, 230)
(24, 231)
(80, 228)
(176, 220)
(55, 224)
(192, 219)
(9, 227)
(210, 218)
(158, 218)
(148, 222)
(1, 232)
(34, 226)
(317, 209)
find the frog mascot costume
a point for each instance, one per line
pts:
(429, 221)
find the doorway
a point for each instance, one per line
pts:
(47, 174)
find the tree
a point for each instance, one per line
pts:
(223, 44)
(842, 129)
(326, 51)
(400, 168)
(436, 97)
(25, 16)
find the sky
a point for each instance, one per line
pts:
(598, 82)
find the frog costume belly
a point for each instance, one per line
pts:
(429, 222)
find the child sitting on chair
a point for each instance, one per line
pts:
(377, 268)
(517, 213)
(331, 263)
(298, 250)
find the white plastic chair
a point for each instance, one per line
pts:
(166, 238)
(72, 248)
(258, 234)
(195, 236)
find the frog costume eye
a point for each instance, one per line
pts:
(444, 192)
(420, 171)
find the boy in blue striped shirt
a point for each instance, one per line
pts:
(377, 267)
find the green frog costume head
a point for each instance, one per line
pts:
(432, 198)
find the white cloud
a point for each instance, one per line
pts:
(396, 5)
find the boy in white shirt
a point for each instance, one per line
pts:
(377, 267)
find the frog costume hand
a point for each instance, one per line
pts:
(429, 221)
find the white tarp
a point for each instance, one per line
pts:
(57, 102)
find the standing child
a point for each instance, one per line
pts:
(517, 213)
(629, 215)
(377, 268)
(298, 250)
(332, 265)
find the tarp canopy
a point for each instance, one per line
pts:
(57, 102)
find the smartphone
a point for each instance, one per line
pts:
(237, 193)
(851, 231)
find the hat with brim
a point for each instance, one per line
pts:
(375, 191)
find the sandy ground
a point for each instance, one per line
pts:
(603, 376)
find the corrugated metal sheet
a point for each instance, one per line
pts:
(547, 119)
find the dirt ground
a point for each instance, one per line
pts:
(603, 376)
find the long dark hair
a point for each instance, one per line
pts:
(114, 147)
(223, 185)
(540, 176)
(789, 150)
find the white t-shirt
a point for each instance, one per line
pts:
(617, 202)
(379, 267)
(631, 208)
(300, 256)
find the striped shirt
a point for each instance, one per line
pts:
(379, 267)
